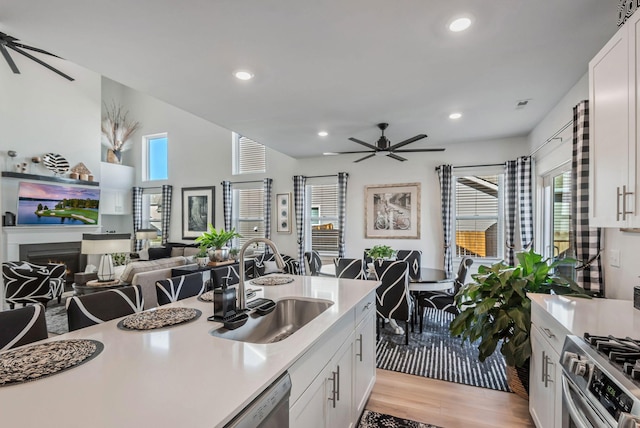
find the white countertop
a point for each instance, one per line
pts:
(178, 376)
(594, 316)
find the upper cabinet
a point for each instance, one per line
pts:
(613, 122)
(116, 182)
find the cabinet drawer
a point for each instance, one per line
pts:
(365, 307)
(550, 329)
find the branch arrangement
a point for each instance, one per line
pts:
(117, 128)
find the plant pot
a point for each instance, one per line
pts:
(202, 261)
(114, 156)
(218, 254)
(518, 380)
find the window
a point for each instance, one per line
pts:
(323, 218)
(248, 156)
(152, 212)
(478, 216)
(156, 157)
(248, 214)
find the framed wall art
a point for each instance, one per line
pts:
(198, 210)
(392, 211)
(283, 212)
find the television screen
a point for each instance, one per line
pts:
(57, 205)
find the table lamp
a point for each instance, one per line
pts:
(106, 244)
(146, 235)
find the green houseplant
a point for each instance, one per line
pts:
(495, 308)
(216, 240)
(381, 252)
(202, 257)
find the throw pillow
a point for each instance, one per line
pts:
(271, 267)
(156, 253)
(143, 255)
(24, 266)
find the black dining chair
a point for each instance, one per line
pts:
(349, 268)
(22, 326)
(414, 258)
(392, 295)
(30, 283)
(314, 264)
(265, 264)
(180, 287)
(444, 300)
(91, 309)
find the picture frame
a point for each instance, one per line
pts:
(392, 211)
(198, 210)
(283, 212)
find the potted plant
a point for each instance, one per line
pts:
(215, 241)
(233, 253)
(495, 309)
(202, 258)
(383, 252)
(117, 129)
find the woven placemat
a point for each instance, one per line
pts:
(159, 318)
(206, 297)
(272, 280)
(37, 361)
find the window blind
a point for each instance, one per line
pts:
(251, 156)
(324, 218)
(249, 214)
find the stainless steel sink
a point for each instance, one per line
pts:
(289, 316)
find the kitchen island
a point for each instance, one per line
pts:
(182, 375)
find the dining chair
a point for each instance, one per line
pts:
(444, 300)
(22, 326)
(95, 308)
(29, 283)
(265, 264)
(414, 258)
(180, 287)
(349, 268)
(392, 295)
(314, 264)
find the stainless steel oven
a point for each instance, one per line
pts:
(596, 392)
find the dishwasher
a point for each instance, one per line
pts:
(269, 410)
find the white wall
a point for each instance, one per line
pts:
(619, 281)
(420, 167)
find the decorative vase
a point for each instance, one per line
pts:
(114, 156)
(518, 380)
(218, 254)
(202, 261)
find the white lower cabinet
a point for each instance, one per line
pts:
(333, 380)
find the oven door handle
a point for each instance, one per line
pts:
(576, 415)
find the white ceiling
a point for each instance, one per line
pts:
(335, 65)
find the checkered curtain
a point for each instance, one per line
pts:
(226, 203)
(167, 191)
(525, 197)
(511, 191)
(299, 183)
(586, 239)
(444, 174)
(137, 216)
(342, 211)
(267, 183)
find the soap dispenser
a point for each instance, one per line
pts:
(224, 302)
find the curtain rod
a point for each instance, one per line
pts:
(322, 176)
(475, 166)
(151, 188)
(553, 137)
(244, 182)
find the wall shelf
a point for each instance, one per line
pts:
(22, 176)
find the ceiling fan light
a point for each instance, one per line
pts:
(382, 152)
(459, 24)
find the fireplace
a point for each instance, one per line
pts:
(56, 252)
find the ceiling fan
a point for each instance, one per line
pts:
(7, 41)
(383, 146)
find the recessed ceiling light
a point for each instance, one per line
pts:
(243, 75)
(455, 115)
(323, 133)
(460, 24)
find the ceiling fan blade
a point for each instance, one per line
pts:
(31, 48)
(409, 141)
(371, 146)
(396, 157)
(349, 153)
(42, 63)
(366, 157)
(418, 150)
(7, 57)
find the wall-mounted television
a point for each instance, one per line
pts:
(57, 205)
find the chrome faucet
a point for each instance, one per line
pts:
(242, 297)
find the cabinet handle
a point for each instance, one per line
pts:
(547, 377)
(624, 202)
(333, 389)
(359, 354)
(544, 366)
(338, 382)
(618, 203)
(548, 332)
(366, 307)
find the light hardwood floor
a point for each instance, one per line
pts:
(446, 404)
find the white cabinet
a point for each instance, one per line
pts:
(332, 381)
(613, 117)
(116, 182)
(545, 394)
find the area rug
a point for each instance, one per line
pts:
(437, 355)
(56, 315)
(371, 419)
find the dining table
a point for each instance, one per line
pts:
(432, 279)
